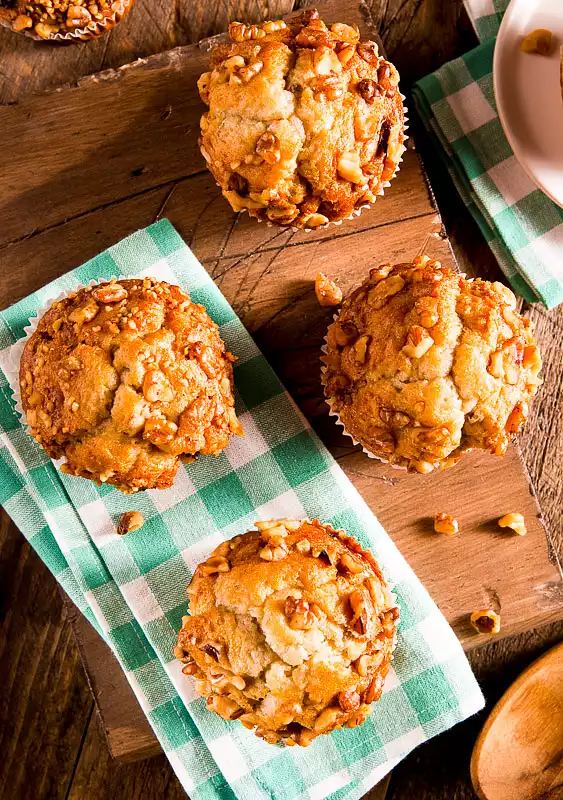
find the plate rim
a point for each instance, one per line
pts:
(504, 24)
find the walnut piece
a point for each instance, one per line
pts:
(515, 521)
(486, 621)
(539, 41)
(445, 523)
(130, 521)
(328, 293)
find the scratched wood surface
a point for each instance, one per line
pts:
(74, 760)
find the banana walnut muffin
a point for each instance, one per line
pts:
(124, 380)
(305, 122)
(422, 365)
(291, 630)
(47, 18)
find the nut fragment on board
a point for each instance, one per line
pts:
(445, 523)
(130, 521)
(328, 293)
(515, 521)
(486, 621)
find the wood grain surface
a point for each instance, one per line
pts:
(74, 762)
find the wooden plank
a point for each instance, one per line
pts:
(267, 275)
(41, 677)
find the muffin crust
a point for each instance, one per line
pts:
(291, 630)
(305, 123)
(126, 378)
(422, 365)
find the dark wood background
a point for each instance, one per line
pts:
(50, 740)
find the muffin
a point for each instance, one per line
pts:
(305, 123)
(291, 631)
(422, 365)
(126, 379)
(59, 19)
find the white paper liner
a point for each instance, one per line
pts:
(333, 413)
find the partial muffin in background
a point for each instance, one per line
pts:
(291, 630)
(124, 380)
(422, 365)
(305, 122)
(60, 20)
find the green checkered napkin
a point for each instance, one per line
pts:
(132, 588)
(522, 226)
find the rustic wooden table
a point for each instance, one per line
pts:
(50, 740)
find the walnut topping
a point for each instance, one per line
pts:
(156, 387)
(379, 273)
(418, 342)
(346, 54)
(299, 613)
(517, 417)
(84, 314)
(368, 51)
(271, 26)
(214, 564)
(367, 89)
(358, 605)
(268, 147)
(386, 288)
(270, 553)
(372, 690)
(349, 700)
(78, 17)
(21, 22)
(327, 292)
(239, 32)
(316, 220)
(515, 521)
(346, 33)
(224, 706)
(485, 621)
(349, 167)
(345, 333)
(326, 61)
(351, 564)
(130, 521)
(445, 523)
(361, 346)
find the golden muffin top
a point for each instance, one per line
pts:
(305, 122)
(291, 630)
(126, 378)
(423, 364)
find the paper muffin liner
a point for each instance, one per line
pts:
(336, 415)
(11, 365)
(94, 29)
(356, 212)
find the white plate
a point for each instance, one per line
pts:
(528, 92)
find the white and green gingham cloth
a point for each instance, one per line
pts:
(132, 588)
(522, 226)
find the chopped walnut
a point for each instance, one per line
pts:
(485, 621)
(215, 564)
(539, 41)
(130, 521)
(515, 521)
(328, 293)
(445, 523)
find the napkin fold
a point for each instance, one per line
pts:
(132, 588)
(521, 225)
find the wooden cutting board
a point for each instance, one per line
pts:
(89, 164)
